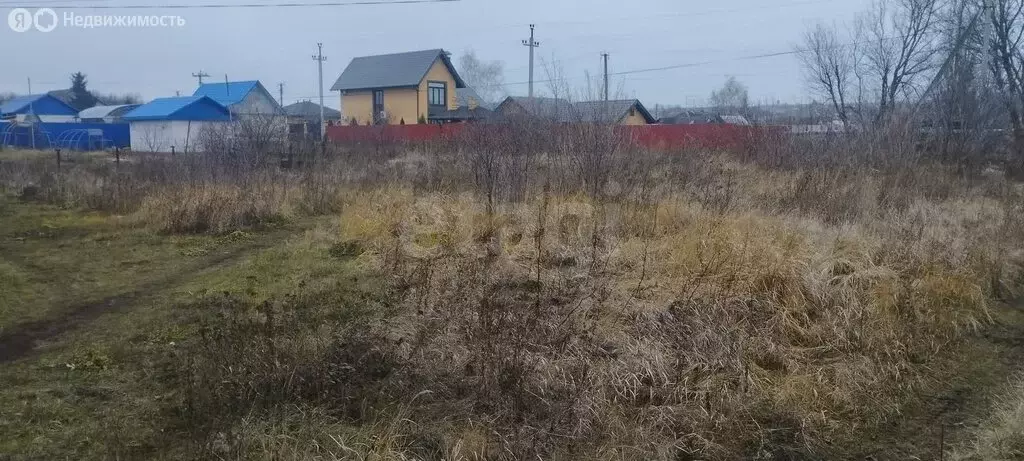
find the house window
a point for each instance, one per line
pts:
(379, 116)
(632, 111)
(437, 93)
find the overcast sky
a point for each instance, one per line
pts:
(275, 45)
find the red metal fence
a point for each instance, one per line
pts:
(660, 137)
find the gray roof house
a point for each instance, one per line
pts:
(553, 109)
(308, 110)
(612, 111)
(627, 111)
(397, 87)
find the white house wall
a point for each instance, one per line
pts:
(160, 136)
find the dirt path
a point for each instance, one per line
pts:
(969, 380)
(19, 341)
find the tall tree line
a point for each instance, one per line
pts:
(954, 68)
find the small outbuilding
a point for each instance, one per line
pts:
(175, 124)
(37, 108)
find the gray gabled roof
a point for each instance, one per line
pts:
(392, 70)
(610, 111)
(550, 108)
(310, 110)
(562, 110)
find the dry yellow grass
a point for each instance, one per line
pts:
(206, 207)
(578, 302)
(685, 318)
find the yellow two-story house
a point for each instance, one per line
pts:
(400, 87)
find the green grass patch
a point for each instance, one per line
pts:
(104, 386)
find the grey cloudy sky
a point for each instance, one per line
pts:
(275, 44)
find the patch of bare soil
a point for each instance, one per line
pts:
(20, 341)
(949, 411)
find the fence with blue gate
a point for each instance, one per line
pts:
(70, 136)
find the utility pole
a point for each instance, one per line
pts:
(200, 76)
(532, 44)
(280, 93)
(605, 56)
(227, 91)
(320, 58)
(32, 111)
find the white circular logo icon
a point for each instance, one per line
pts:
(20, 20)
(45, 19)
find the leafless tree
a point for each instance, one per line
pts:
(486, 77)
(898, 49)
(217, 140)
(828, 65)
(732, 97)
(964, 103)
(1006, 32)
(152, 138)
(261, 134)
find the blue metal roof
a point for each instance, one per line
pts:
(196, 108)
(227, 93)
(40, 104)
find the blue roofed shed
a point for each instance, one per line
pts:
(38, 104)
(175, 124)
(197, 108)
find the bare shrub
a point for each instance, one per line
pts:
(564, 294)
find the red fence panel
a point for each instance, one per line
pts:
(657, 137)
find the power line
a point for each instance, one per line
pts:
(682, 66)
(236, 5)
(687, 14)
(718, 61)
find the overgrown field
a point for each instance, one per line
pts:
(502, 299)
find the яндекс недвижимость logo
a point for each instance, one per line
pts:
(46, 20)
(21, 20)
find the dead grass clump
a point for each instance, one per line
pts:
(215, 208)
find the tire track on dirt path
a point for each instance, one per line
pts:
(19, 341)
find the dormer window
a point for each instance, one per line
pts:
(437, 93)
